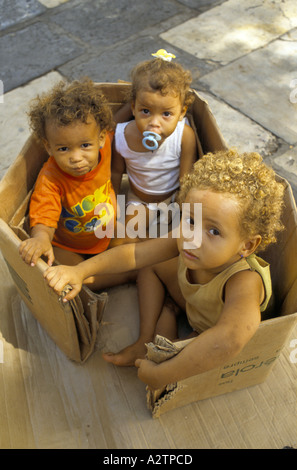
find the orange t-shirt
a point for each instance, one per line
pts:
(82, 209)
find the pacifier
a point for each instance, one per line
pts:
(150, 140)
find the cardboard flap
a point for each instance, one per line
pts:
(210, 136)
(116, 94)
(70, 328)
(88, 309)
(251, 366)
(282, 257)
(20, 177)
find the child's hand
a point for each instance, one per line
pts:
(33, 248)
(148, 372)
(58, 277)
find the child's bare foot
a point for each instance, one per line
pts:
(128, 355)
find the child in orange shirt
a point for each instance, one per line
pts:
(73, 205)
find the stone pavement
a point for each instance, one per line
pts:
(243, 57)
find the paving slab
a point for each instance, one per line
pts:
(239, 131)
(14, 127)
(15, 11)
(105, 23)
(21, 61)
(233, 29)
(259, 86)
(116, 63)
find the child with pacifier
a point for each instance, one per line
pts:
(73, 198)
(211, 271)
(158, 147)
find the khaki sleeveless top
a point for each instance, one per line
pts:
(204, 302)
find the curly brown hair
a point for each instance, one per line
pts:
(246, 177)
(65, 103)
(164, 77)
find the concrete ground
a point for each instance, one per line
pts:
(242, 56)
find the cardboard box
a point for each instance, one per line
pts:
(256, 360)
(72, 326)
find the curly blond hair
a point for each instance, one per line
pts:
(247, 178)
(66, 103)
(164, 77)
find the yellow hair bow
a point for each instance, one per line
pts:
(162, 54)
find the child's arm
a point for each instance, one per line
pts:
(39, 244)
(118, 167)
(212, 348)
(120, 259)
(188, 151)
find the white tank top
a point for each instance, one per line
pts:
(152, 172)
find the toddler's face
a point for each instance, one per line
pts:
(154, 112)
(75, 147)
(220, 238)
